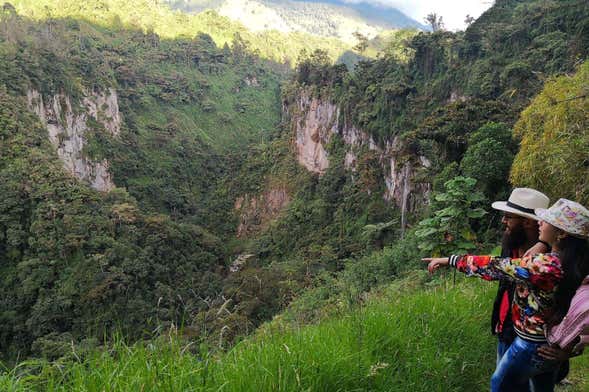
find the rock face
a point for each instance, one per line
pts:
(312, 132)
(255, 212)
(316, 121)
(67, 125)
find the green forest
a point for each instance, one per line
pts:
(189, 205)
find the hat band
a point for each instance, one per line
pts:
(520, 208)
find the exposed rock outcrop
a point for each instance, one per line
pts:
(313, 130)
(255, 212)
(66, 124)
(315, 121)
(456, 96)
(240, 261)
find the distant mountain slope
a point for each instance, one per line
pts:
(331, 18)
(380, 15)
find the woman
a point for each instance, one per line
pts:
(569, 338)
(545, 285)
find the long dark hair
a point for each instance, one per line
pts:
(574, 258)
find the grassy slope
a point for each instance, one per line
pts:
(427, 339)
(150, 15)
(238, 114)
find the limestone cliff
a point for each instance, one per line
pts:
(312, 132)
(315, 121)
(67, 124)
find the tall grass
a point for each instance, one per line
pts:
(434, 340)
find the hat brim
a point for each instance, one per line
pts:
(546, 217)
(502, 206)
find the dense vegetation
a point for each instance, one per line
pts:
(75, 262)
(202, 134)
(490, 71)
(156, 17)
(404, 333)
(456, 98)
(141, 256)
(554, 129)
(189, 108)
(387, 346)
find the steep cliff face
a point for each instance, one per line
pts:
(315, 121)
(312, 132)
(255, 212)
(67, 124)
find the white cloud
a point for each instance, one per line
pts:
(453, 11)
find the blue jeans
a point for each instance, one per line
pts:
(523, 386)
(502, 348)
(520, 365)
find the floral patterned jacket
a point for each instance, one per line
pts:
(536, 279)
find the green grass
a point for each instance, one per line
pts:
(433, 339)
(238, 115)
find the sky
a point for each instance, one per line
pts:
(452, 11)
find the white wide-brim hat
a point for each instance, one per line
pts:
(568, 216)
(523, 202)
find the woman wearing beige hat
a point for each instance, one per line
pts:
(545, 285)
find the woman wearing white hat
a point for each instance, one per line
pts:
(545, 285)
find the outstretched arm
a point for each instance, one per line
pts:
(435, 262)
(541, 270)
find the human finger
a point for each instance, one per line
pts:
(548, 352)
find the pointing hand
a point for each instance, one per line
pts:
(435, 262)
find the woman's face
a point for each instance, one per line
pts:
(548, 232)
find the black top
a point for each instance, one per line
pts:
(507, 335)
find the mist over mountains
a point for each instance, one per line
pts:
(331, 18)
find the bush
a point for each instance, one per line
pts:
(554, 132)
(488, 158)
(450, 230)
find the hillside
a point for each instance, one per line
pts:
(391, 344)
(157, 17)
(165, 172)
(114, 141)
(326, 19)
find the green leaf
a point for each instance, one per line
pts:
(466, 245)
(426, 232)
(477, 213)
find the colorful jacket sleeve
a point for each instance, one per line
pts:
(541, 270)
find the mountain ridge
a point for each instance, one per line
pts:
(332, 18)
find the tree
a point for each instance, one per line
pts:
(239, 47)
(434, 21)
(554, 132)
(362, 42)
(468, 20)
(316, 68)
(488, 158)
